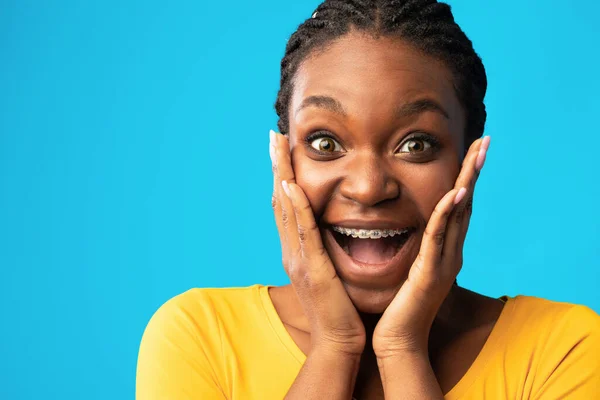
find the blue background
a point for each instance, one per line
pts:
(134, 165)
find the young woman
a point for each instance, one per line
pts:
(381, 120)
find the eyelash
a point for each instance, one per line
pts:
(433, 141)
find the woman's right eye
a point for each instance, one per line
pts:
(325, 144)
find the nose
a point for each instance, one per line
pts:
(369, 181)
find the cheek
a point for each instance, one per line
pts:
(316, 181)
(427, 184)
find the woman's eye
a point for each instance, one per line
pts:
(415, 146)
(325, 145)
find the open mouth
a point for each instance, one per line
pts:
(371, 246)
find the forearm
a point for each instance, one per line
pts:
(326, 374)
(409, 376)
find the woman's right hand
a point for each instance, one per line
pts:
(334, 321)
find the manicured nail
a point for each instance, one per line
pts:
(286, 188)
(480, 159)
(485, 144)
(460, 195)
(272, 146)
(272, 154)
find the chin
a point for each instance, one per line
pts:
(371, 301)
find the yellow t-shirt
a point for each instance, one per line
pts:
(229, 343)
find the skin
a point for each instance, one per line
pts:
(411, 314)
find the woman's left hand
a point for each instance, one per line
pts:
(405, 324)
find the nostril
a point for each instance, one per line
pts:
(369, 194)
(369, 180)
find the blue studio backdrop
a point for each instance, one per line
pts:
(134, 165)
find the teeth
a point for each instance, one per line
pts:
(369, 233)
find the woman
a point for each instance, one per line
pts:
(381, 116)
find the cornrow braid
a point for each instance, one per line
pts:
(426, 24)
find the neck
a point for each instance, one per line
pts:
(442, 328)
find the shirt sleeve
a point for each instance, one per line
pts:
(177, 355)
(570, 366)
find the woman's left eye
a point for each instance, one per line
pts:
(325, 145)
(415, 146)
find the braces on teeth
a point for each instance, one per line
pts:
(369, 233)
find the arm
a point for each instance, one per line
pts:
(326, 374)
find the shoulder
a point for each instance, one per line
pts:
(573, 328)
(555, 334)
(199, 310)
(185, 338)
(558, 345)
(181, 353)
(574, 319)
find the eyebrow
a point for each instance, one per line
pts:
(403, 111)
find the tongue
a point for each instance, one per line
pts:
(372, 251)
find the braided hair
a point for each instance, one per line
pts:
(426, 24)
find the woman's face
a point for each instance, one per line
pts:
(376, 132)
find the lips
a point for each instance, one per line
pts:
(371, 261)
(371, 251)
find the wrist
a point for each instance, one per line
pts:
(398, 353)
(400, 346)
(349, 348)
(335, 351)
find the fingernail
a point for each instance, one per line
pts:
(480, 159)
(272, 146)
(460, 195)
(272, 154)
(286, 188)
(486, 143)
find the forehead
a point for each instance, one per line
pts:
(372, 76)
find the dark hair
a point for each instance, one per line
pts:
(425, 24)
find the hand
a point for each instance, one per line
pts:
(335, 323)
(405, 324)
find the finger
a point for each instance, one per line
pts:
(276, 203)
(434, 237)
(313, 252)
(482, 152)
(462, 234)
(468, 165)
(468, 206)
(284, 159)
(467, 178)
(473, 163)
(288, 218)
